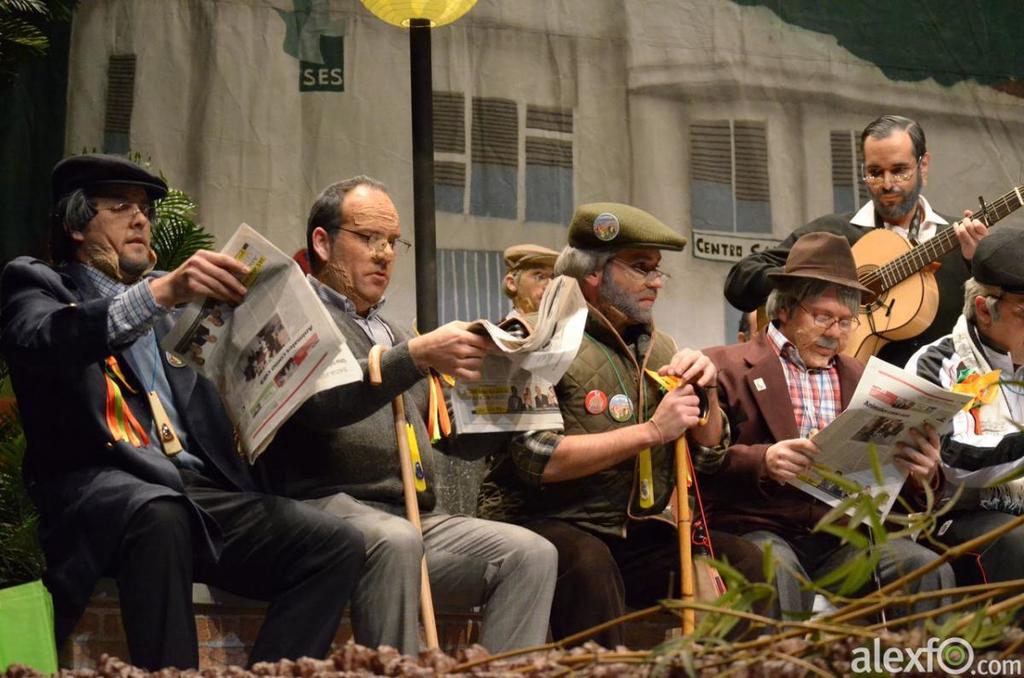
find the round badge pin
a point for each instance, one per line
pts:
(620, 407)
(595, 402)
(173, 360)
(606, 226)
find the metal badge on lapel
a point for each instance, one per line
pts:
(620, 407)
(173, 360)
(595, 402)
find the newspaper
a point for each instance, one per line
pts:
(888, 402)
(269, 354)
(516, 391)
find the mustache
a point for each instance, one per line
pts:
(828, 343)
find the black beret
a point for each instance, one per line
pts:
(999, 260)
(611, 225)
(95, 169)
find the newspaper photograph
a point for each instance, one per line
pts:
(888, 403)
(516, 391)
(270, 353)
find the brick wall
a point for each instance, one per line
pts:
(225, 632)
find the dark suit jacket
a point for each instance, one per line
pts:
(741, 497)
(87, 487)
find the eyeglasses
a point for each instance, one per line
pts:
(825, 321)
(129, 210)
(899, 175)
(378, 243)
(649, 276)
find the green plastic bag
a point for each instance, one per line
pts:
(26, 628)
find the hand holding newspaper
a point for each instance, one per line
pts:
(516, 391)
(270, 353)
(888, 403)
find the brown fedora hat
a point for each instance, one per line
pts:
(822, 256)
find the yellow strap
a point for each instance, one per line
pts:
(667, 382)
(646, 479)
(417, 463)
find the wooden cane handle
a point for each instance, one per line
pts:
(373, 364)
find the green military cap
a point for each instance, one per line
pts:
(612, 225)
(529, 256)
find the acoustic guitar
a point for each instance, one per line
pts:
(906, 294)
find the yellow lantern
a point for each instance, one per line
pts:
(401, 12)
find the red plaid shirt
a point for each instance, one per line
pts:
(814, 392)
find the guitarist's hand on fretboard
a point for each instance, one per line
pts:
(969, 232)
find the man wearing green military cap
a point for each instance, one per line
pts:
(600, 488)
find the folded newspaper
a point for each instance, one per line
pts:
(888, 403)
(270, 353)
(516, 391)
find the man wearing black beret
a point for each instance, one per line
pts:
(984, 356)
(131, 458)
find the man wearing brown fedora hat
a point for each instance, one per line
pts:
(777, 391)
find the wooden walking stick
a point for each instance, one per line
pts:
(684, 523)
(684, 518)
(412, 507)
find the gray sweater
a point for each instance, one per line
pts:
(343, 439)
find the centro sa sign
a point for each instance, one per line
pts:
(726, 247)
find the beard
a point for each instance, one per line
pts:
(895, 212)
(616, 297)
(119, 267)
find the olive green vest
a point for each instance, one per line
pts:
(604, 501)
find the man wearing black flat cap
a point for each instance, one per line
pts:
(131, 458)
(984, 356)
(777, 390)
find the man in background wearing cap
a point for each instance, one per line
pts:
(984, 356)
(528, 272)
(339, 451)
(116, 495)
(777, 391)
(599, 489)
(895, 169)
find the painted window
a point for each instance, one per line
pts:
(729, 177)
(117, 123)
(848, 191)
(511, 170)
(469, 285)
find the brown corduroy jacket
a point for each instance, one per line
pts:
(741, 498)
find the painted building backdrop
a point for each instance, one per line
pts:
(733, 120)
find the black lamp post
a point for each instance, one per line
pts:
(419, 16)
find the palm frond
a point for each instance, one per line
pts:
(176, 236)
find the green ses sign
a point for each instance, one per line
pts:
(316, 40)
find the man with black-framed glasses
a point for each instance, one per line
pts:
(339, 451)
(894, 171)
(984, 356)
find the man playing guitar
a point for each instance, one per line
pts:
(895, 170)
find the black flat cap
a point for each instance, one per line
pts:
(999, 260)
(95, 169)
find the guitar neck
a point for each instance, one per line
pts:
(906, 265)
